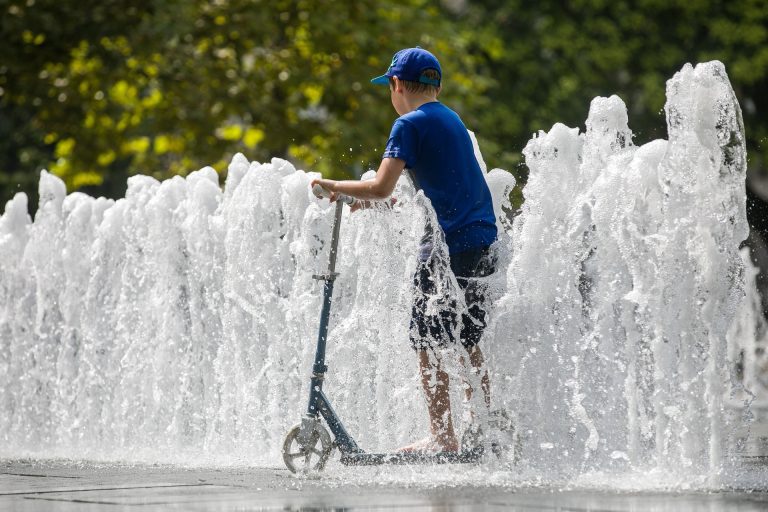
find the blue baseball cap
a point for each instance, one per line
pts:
(409, 64)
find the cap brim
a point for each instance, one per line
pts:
(381, 80)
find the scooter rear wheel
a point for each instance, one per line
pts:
(310, 457)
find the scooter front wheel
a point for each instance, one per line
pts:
(311, 456)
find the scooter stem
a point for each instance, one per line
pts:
(319, 367)
(335, 238)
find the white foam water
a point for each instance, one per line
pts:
(179, 323)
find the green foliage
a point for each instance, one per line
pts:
(189, 83)
(98, 90)
(559, 55)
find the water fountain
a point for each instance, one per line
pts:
(177, 324)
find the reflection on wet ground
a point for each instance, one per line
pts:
(37, 486)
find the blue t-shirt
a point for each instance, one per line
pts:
(437, 150)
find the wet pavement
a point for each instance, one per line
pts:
(71, 486)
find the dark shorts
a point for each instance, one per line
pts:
(435, 312)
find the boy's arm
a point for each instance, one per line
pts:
(378, 188)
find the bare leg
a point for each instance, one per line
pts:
(434, 380)
(477, 368)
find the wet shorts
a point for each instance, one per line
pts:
(434, 312)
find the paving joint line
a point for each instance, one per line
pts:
(22, 493)
(37, 476)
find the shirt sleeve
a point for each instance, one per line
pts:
(403, 143)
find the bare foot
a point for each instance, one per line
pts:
(429, 445)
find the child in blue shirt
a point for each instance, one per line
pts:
(432, 144)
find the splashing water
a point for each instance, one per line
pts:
(179, 323)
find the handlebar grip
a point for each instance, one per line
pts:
(322, 192)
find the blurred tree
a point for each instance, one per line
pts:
(554, 57)
(37, 40)
(188, 83)
(97, 91)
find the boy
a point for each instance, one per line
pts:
(431, 143)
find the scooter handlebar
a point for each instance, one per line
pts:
(322, 192)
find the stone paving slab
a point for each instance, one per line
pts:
(37, 486)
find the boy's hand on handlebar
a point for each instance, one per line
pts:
(327, 185)
(323, 188)
(326, 189)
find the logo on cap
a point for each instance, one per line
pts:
(410, 64)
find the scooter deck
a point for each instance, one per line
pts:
(373, 459)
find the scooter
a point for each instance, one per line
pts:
(308, 445)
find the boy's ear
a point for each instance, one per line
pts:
(398, 84)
